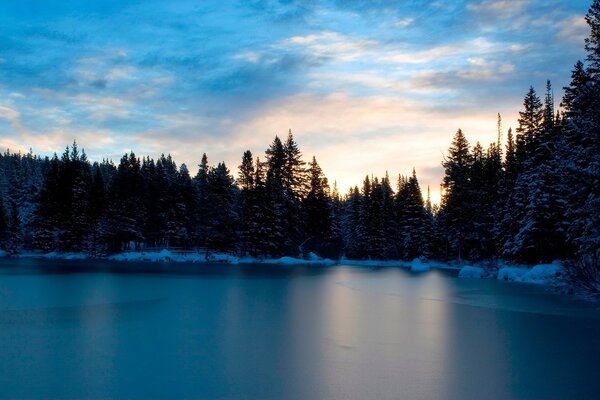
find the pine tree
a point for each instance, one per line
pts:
(582, 143)
(246, 183)
(353, 225)
(15, 238)
(78, 227)
(530, 125)
(126, 213)
(222, 200)
(3, 225)
(592, 42)
(201, 215)
(294, 173)
(245, 180)
(537, 212)
(456, 212)
(46, 218)
(414, 221)
(318, 212)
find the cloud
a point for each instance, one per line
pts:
(573, 29)
(478, 71)
(12, 116)
(499, 8)
(332, 45)
(404, 22)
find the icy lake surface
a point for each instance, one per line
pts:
(287, 332)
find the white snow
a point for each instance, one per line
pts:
(158, 256)
(313, 257)
(513, 274)
(469, 271)
(418, 265)
(55, 255)
(222, 258)
(545, 272)
(540, 274)
(168, 256)
(290, 261)
(373, 263)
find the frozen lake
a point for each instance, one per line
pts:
(283, 332)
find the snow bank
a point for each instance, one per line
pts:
(160, 256)
(168, 256)
(222, 258)
(373, 263)
(298, 261)
(471, 272)
(540, 274)
(418, 266)
(55, 255)
(512, 274)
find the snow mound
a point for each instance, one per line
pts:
(540, 274)
(315, 260)
(3, 253)
(222, 258)
(161, 256)
(544, 273)
(373, 263)
(471, 272)
(55, 255)
(289, 260)
(512, 274)
(418, 265)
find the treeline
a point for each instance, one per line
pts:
(279, 206)
(532, 199)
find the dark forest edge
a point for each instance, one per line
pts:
(534, 201)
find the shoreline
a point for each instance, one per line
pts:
(541, 274)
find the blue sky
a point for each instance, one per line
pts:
(365, 86)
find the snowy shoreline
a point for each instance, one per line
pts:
(542, 274)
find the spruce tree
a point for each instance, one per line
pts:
(456, 212)
(414, 221)
(3, 225)
(353, 227)
(223, 215)
(317, 211)
(201, 215)
(246, 183)
(15, 238)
